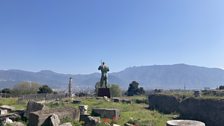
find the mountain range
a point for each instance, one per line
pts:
(175, 76)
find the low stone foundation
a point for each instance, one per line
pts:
(106, 113)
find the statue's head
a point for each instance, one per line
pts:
(103, 63)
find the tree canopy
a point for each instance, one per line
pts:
(221, 87)
(133, 89)
(115, 90)
(6, 90)
(24, 88)
(45, 89)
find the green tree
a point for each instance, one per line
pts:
(45, 89)
(141, 91)
(115, 90)
(221, 87)
(6, 90)
(134, 90)
(24, 88)
(97, 86)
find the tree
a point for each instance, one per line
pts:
(221, 87)
(133, 87)
(134, 90)
(45, 89)
(115, 90)
(97, 86)
(24, 88)
(141, 91)
(6, 90)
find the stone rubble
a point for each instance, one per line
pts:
(66, 124)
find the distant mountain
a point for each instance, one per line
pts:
(157, 76)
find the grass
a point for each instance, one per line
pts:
(12, 102)
(136, 112)
(128, 112)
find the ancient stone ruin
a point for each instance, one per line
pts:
(184, 123)
(209, 111)
(106, 113)
(41, 117)
(34, 106)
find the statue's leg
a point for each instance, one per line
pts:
(105, 79)
(101, 82)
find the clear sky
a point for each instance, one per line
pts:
(72, 36)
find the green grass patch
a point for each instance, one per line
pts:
(135, 112)
(12, 102)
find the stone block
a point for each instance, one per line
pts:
(54, 120)
(89, 120)
(116, 100)
(39, 117)
(8, 108)
(66, 124)
(13, 117)
(17, 124)
(83, 109)
(128, 124)
(106, 113)
(92, 121)
(128, 101)
(106, 98)
(3, 112)
(33, 106)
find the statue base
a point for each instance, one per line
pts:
(104, 92)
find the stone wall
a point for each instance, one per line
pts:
(39, 97)
(164, 103)
(210, 111)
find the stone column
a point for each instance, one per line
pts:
(70, 87)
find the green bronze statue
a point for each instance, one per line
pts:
(104, 69)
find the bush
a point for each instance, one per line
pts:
(141, 101)
(24, 88)
(6, 90)
(45, 89)
(133, 89)
(115, 90)
(221, 87)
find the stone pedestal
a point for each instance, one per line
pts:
(104, 92)
(184, 123)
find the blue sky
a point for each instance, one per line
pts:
(72, 36)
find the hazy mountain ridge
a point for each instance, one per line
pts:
(156, 76)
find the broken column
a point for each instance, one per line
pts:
(184, 123)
